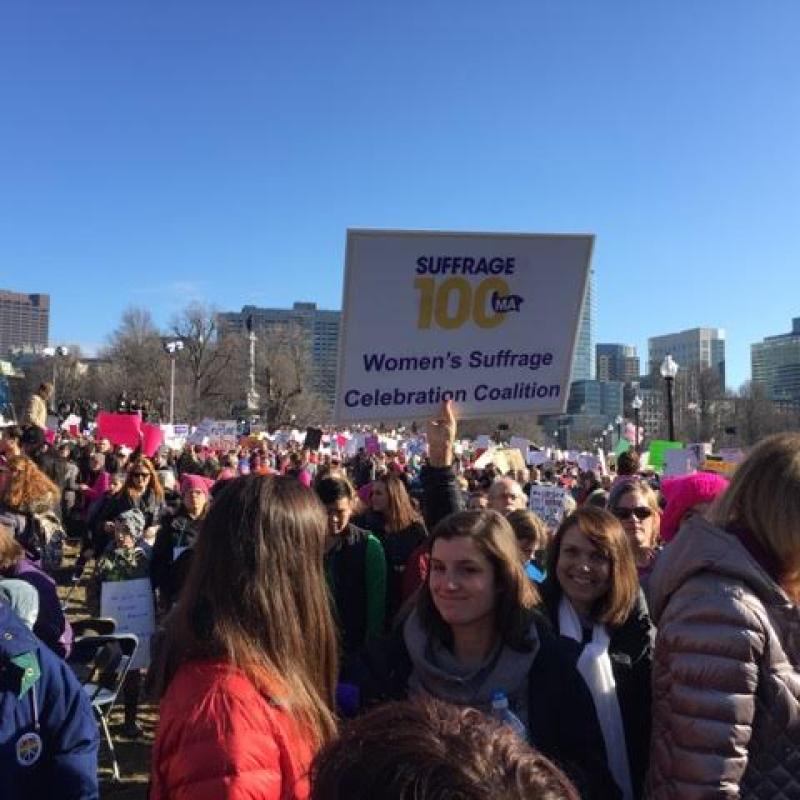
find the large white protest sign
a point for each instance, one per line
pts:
(224, 434)
(130, 603)
(549, 503)
(486, 320)
(521, 444)
(537, 457)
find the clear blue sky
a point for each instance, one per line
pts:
(157, 152)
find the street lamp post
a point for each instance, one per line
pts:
(636, 405)
(618, 420)
(173, 348)
(609, 431)
(669, 369)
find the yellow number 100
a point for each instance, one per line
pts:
(435, 301)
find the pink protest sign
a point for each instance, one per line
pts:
(152, 439)
(372, 445)
(119, 428)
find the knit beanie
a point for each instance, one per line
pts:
(685, 491)
(133, 520)
(193, 482)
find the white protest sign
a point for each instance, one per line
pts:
(202, 433)
(130, 603)
(548, 503)
(521, 444)
(174, 436)
(537, 457)
(224, 434)
(588, 462)
(487, 320)
(281, 437)
(72, 419)
(484, 459)
(680, 462)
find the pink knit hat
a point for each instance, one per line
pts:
(685, 491)
(196, 482)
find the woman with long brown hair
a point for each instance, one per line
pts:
(399, 528)
(142, 491)
(27, 496)
(248, 674)
(592, 595)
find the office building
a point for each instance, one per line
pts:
(319, 328)
(591, 407)
(596, 398)
(703, 348)
(583, 361)
(616, 362)
(24, 320)
(775, 365)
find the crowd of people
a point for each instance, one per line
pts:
(403, 626)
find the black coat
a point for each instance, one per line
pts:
(440, 494)
(176, 537)
(398, 547)
(631, 652)
(562, 722)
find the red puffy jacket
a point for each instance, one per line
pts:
(218, 738)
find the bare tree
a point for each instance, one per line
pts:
(208, 366)
(756, 416)
(137, 363)
(285, 378)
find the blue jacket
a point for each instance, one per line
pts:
(48, 733)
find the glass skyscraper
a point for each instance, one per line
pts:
(583, 362)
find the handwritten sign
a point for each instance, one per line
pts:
(549, 503)
(130, 603)
(486, 320)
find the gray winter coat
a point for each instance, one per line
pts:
(726, 674)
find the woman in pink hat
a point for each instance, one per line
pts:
(176, 538)
(686, 496)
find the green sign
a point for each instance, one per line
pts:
(657, 449)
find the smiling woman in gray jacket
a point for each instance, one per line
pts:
(726, 676)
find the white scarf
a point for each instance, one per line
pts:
(594, 666)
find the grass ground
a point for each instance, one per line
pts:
(133, 755)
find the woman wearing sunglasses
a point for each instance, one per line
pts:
(142, 491)
(635, 505)
(592, 595)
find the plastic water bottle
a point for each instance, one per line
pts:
(502, 712)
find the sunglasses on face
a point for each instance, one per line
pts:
(140, 474)
(640, 512)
